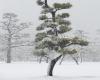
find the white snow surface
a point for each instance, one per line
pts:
(36, 71)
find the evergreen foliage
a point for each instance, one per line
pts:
(54, 26)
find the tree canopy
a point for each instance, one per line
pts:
(55, 25)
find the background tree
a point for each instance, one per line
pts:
(12, 36)
(50, 33)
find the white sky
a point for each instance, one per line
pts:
(85, 14)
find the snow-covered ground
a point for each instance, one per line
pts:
(36, 71)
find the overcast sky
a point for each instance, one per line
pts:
(85, 14)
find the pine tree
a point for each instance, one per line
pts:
(49, 37)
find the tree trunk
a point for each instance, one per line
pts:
(9, 51)
(53, 16)
(52, 64)
(9, 56)
(81, 57)
(40, 59)
(47, 60)
(46, 4)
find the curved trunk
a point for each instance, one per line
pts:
(52, 64)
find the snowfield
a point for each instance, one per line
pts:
(36, 71)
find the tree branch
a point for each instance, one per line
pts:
(47, 57)
(29, 44)
(74, 59)
(20, 46)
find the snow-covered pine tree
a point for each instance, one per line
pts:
(50, 33)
